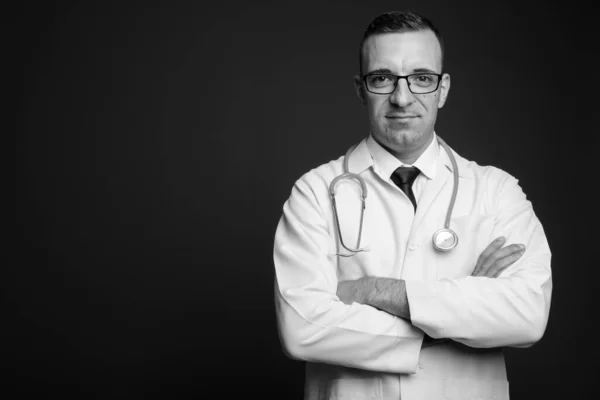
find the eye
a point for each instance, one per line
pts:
(379, 80)
(423, 80)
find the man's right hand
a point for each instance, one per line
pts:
(495, 258)
(492, 261)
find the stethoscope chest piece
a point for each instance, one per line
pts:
(445, 239)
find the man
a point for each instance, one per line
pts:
(372, 306)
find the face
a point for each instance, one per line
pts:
(403, 122)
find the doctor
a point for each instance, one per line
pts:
(402, 319)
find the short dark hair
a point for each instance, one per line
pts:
(395, 22)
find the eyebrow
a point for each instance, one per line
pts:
(389, 71)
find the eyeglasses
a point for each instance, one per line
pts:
(420, 83)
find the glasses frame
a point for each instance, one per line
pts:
(398, 77)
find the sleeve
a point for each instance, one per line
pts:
(510, 310)
(314, 325)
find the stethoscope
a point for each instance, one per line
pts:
(444, 239)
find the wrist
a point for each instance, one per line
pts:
(367, 290)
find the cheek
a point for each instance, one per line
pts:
(430, 102)
(376, 107)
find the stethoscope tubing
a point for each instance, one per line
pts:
(349, 175)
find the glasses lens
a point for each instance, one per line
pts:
(423, 83)
(381, 83)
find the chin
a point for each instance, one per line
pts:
(402, 137)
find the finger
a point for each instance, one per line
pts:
(495, 257)
(501, 257)
(492, 247)
(505, 252)
(500, 265)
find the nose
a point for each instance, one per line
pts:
(402, 96)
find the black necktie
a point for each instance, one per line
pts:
(404, 177)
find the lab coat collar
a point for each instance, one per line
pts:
(368, 150)
(360, 158)
(464, 170)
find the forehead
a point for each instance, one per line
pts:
(402, 52)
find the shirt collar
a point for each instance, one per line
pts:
(368, 153)
(384, 163)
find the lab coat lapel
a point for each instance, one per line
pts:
(443, 177)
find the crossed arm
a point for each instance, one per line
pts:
(389, 295)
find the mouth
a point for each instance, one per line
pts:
(401, 116)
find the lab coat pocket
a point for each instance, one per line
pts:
(474, 235)
(466, 389)
(355, 389)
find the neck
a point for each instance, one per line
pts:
(406, 158)
(407, 153)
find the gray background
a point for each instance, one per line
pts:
(157, 142)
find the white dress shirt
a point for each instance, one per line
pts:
(387, 164)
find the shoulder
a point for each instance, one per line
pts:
(499, 187)
(489, 175)
(321, 176)
(312, 187)
(309, 200)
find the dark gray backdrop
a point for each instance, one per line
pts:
(157, 142)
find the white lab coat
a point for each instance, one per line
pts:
(358, 352)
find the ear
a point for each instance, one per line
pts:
(360, 90)
(444, 89)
